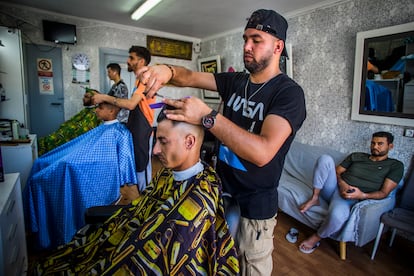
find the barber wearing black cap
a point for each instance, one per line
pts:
(262, 112)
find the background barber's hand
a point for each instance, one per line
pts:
(189, 110)
(154, 78)
(87, 99)
(98, 98)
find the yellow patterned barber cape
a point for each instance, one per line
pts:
(174, 228)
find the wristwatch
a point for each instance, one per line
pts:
(209, 120)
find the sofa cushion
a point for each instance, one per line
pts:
(302, 158)
(292, 193)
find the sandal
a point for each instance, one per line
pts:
(292, 235)
(310, 250)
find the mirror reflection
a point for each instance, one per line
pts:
(387, 84)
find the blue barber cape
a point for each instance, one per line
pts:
(87, 171)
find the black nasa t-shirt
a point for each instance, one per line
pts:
(255, 187)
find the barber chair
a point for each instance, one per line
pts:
(209, 149)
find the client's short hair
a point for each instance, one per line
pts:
(161, 117)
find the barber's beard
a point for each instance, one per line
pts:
(131, 67)
(255, 66)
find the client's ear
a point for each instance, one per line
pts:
(189, 141)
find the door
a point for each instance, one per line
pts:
(107, 56)
(45, 88)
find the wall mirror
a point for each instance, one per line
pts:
(384, 76)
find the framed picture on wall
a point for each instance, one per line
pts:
(286, 63)
(213, 65)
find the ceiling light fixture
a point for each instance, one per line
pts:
(144, 8)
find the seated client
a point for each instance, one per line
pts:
(176, 227)
(86, 119)
(84, 172)
(82, 122)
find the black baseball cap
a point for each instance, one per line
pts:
(270, 22)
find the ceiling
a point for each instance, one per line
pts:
(193, 18)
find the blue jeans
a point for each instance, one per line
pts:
(324, 178)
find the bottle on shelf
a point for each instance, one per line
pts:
(15, 130)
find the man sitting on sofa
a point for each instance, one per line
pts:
(360, 176)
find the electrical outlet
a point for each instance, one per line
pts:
(409, 132)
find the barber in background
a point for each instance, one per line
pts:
(263, 111)
(141, 116)
(119, 89)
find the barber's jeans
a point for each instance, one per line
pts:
(255, 242)
(324, 178)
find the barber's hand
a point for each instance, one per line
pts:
(87, 99)
(92, 92)
(154, 78)
(189, 110)
(98, 98)
(87, 95)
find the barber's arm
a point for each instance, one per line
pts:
(129, 104)
(155, 77)
(258, 149)
(100, 98)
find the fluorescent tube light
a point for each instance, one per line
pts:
(144, 8)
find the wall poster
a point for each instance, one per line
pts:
(171, 48)
(45, 76)
(212, 65)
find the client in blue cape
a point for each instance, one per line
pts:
(84, 172)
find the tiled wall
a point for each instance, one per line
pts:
(91, 35)
(323, 45)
